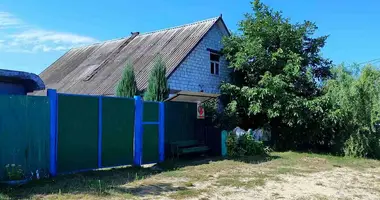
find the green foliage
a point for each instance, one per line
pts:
(355, 107)
(245, 145)
(277, 78)
(158, 89)
(232, 147)
(356, 146)
(221, 118)
(281, 79)
(14, 172)
(211, 108)
(127, 85)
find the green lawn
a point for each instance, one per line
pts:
(285, 175)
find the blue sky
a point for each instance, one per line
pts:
(33, 34)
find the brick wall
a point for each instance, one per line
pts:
(194, 72)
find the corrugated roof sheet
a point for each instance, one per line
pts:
(97, 68)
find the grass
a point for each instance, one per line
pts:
(185, 179)
(185, 194)
(292, 162)
(243, 181)
(84, 185)
(238, 183)
(189, 184)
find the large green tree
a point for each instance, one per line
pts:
(278, 74)
(354, 116)
(127, 85)
(158, 89)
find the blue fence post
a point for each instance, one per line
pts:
(52, 94)
(137, 144)
(224, 144)
(161, 133)
(100, 127)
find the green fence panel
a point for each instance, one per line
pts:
(77, 133)
(180, 121)
(117, 131)
(150, 132)
(150, 112)
(150, 144)
(24, 133)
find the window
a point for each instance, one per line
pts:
(214, 63)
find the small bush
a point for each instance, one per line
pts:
(14, 172)
(245, 145)
(127, 86)
(158, 88)
(232, 145)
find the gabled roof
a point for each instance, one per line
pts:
(97, 68)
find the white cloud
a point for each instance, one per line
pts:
(46, 48)
(32, 40)
(7, 20)
(51, 36)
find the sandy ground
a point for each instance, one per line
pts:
(287, 176)
(340, 183)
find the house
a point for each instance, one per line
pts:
(19, 83)
(191, 53)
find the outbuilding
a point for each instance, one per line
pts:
(19, 83)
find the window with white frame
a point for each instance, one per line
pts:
(214, 63)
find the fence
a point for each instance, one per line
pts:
(24, 132)
(95, 132)
(66, 133)
(180, 121)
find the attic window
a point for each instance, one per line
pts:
(214, 63)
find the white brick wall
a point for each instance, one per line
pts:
(194, 72)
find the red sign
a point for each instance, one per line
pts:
(200, 111)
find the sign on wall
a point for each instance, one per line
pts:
(200, 111)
